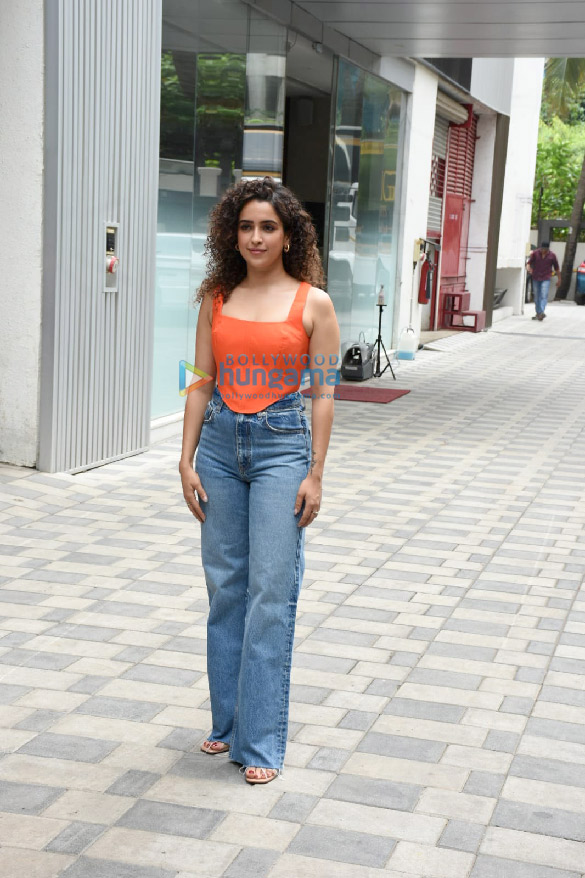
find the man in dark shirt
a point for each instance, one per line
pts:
(540, 265)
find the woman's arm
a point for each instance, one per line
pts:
(195, 406)
(324, 362)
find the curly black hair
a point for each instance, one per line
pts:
(226, 268)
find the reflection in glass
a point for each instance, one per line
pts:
(362, 249)
(222, 66)
(264, 125)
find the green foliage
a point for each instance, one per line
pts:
(561, 147)
(561, 140)
(563, 92)
(207, 92)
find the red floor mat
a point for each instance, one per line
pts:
(361, 393)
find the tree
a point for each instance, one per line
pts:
(561, 147)
(563, 91)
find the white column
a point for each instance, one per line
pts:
(414, 207)
(21, 204)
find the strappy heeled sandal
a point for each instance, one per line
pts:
(264, 778)
(213, 748)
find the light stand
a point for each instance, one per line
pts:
(380, 344)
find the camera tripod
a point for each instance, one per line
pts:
(379, 343)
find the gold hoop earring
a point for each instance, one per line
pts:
(286, 248)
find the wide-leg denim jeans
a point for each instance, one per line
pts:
(252, 549)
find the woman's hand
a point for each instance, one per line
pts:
(192, 489)
(310, 492)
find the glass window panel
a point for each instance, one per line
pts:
(363, 237)
(222, 70)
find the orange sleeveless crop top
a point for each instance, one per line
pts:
(259, 362)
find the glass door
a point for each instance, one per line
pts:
(363, 224)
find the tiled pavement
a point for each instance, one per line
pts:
(438, 707)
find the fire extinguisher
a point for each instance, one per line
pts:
(425, 284)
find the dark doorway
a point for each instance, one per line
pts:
(309, 76)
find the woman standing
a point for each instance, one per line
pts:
(256, 484)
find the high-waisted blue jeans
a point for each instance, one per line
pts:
(252, 549)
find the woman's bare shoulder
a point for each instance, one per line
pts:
(319, 301)
(207, 304)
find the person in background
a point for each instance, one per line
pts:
(541, 264)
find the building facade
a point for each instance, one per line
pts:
(139, 114)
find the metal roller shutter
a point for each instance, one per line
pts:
(438, 166)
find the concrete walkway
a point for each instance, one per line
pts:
(438, 708)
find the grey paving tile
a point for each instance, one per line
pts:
(97, 594)
(162, 588)
(462, 836)
(75, 838)
(83, 632)
(466, 653)
(342, 846)
(193, 645)
(402, 747)
(386, 688)
(21, 597)
(329, 759)
(171, 819)
(88, 867)
(308, 694)
(89, 685)
(52, 661)
(549, 770)
(375, 791)
(539, 820)
(452, 679)
(537, 648)
(333, 635)
(133, 654)
(294, 807)
(39, 720)
(556, 730)
(467, 626)
(503, 742)
(421, 633)
(58, 615)
(166, 676)
(26, 798)
(360, 720)
(10, 693)
(201, 766)
(251, 863)
(322, 662)
(494, 867)
(484, 783)
(568, 665)
(530, 675)
(182, 739)
(68, 747)
(445, 713)
(120, 708)
(133, 783)
(16, 638)
(405, 659)
(170, 628)
(367, 613)
(562, 695)
(516, 704)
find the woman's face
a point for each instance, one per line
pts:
(261, 235)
